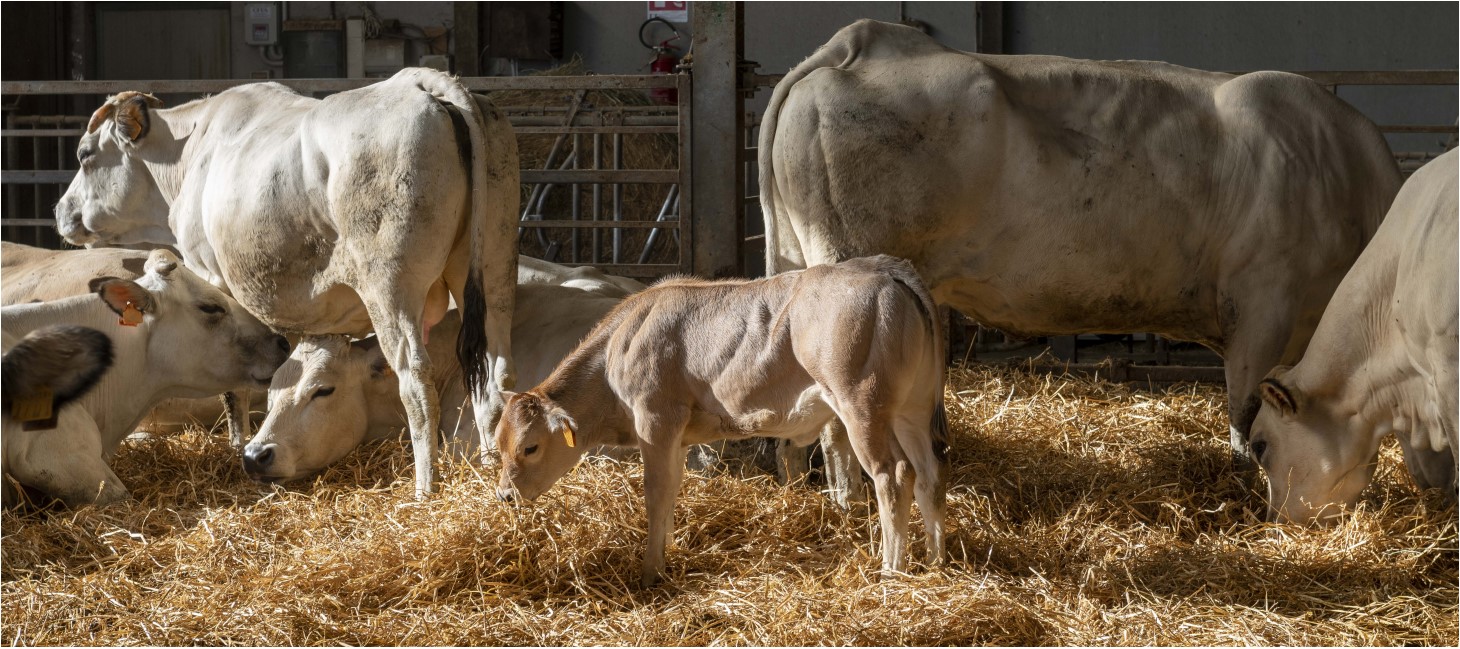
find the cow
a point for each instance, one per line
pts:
(43, 374)
(37, 274)
(1383, 360)
(172, 335)
(366, 210)
(333, 395)
(691, 361)
(1045, 196)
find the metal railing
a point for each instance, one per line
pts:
(587, 163)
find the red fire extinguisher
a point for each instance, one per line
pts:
(664, 61)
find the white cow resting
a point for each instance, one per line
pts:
(1383, 360)
(362, 211)
(333, 395)
(37, 274)
(1044, 195)
(43, 375)
(689, 361)
(189, 340)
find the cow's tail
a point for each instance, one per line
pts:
(487, 184)
(903, 272)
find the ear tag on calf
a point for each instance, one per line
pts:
(37, 407)
(569, 437)
(131, 316)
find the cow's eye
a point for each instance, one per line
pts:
(530, 450)
(85, 154)
(322, 392)
(1258, 448)
(211, 309)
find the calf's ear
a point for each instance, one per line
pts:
(121, 295)
(372, 356)
(162, 262)
(562, 424)
(1277, 394)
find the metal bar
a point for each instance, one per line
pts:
(587, 118)
(485, 84)
(584, 130)
(687, 213)
(1418, 128)
(28, 222)
(601, 225)
(597, 196)
(577, 207)
(589, 176)
(618, 198)
(42, 132)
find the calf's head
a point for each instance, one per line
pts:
(322, 404)
(114, 198)
(1317, 458)
(198, 339)
(538, 443)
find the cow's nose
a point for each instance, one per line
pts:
(506, 495)
(257, 458)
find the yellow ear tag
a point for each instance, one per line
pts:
(131, 316)
(569, 437)
(37, 407)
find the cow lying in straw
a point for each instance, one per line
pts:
(690, 361)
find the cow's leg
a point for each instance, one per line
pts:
(792, 461)
(843, 473)
(396, 323)
(931, 484)
(660, 433)
(67, 465)
(871, 441)
(1429, 468)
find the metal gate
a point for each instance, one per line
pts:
(574, 210)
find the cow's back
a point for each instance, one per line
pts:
(37, 274)
(1050, 195)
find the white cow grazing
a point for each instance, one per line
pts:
(37, 274)
(333, 395)
(43, 374)
(1383, 360)
(188, 339)
(1044, 195)
(690, 361)
(367, 210)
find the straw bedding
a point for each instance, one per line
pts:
(1080, 512)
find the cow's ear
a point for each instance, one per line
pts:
(120, 295)
(162, 262)
(561, 423)
(1278, 394)
(133, 120)
(372, 356)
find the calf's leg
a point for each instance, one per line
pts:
(660, 434)
(891, 479)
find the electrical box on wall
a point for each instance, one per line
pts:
(260, 23)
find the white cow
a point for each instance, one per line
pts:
(37, 274)
(367, 210)
(43, 374)
(1383, 360)
(172, 335)
(1044, 195)
(333, 395)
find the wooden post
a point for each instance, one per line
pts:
(717, 119)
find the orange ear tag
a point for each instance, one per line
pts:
(131, 316)
(569, 437)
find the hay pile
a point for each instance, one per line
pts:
(640, 151)
(1081, 512)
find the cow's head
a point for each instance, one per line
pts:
(322, 404)
(114, 198)
(538, 443)
(1317, 459)
(200, 341)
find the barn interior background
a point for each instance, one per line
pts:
(676, 174)
(643, 173)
